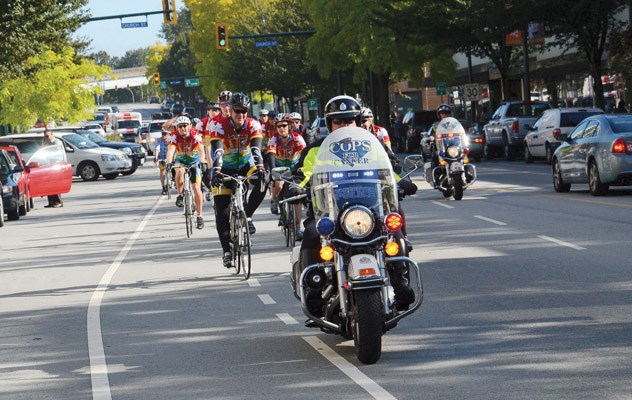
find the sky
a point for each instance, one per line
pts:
(110, 37)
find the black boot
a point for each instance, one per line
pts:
(404, 294)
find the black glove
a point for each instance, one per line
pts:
(408, 187)
(261, 173)
(203, 167)
(218, 177)
(295, 191)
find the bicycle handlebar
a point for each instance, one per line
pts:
(297, 197)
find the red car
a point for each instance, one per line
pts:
(47, 172)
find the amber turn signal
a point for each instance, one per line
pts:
(327, 253)
(391, 248)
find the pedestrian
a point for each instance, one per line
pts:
(621, 107)
(54, 201)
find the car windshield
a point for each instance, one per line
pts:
(155, 126)
(526, 110)
(98, 117)
(131, 123)
(14, 157)
(79, 141)
(4, 170)
(92, 136)
(26, 146)
(572, 119)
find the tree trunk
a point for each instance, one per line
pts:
(382, 109)
(596, 70)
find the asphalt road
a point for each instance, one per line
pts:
(528, 295)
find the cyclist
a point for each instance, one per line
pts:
(340, 111)
(267, 130)
(186, 145)
(224, 99)
(284, 150)
(380, 133)
(160, 157)
(212, 110)
(236, 149)
(297, 124)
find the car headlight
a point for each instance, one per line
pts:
(108, 157)
(127, 150)
(357, 222)
(453, 151)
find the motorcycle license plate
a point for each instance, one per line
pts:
(456, 167)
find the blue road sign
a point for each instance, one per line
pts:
(140, 24)
(268, 43)
(175, 82)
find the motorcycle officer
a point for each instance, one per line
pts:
(443, 111)
(340, 111)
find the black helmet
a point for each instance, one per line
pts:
(443, 108)
(224, 96)
(239, 100)
(213, 105)
(342, 107)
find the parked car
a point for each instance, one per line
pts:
(318, 129)
(598, 152)
(134, 151)
(154, 100)
(506, 129)
(101, 119)
(94, 127)
(176, 108)
(14, 196)
(415, 124)
(22, 178)
(49, 172)
(161, 115)
(190, 111)
(542, 139)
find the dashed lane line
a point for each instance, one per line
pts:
(287, 319)
(266, 299)
(442, 204)
(493, 221)
(562, 243)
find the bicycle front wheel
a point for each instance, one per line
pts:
(244, 259)
(291, 226)
(168, 184)
(188, 212)
(234, 238)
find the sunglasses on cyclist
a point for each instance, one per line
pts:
(343, 121)
(182, 126)
(238, 111)
(281, 126)
(366, 119)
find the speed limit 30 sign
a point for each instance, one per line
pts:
(471, 92)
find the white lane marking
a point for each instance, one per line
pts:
(253, 283)
(441, 204)
(366, 383)
(98, 363)
(266, 299)
(561, 243)
(493, 221)
(287, 319)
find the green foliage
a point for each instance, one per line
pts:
(57, 90)
(27, 26)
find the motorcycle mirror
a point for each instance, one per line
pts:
(413, 162)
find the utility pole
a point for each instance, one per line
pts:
(526, 84)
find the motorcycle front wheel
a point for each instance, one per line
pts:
(368, 324)
(458, 187)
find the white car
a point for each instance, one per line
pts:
(542, 139)
(94, 127)
(155, 132)
(89, 160)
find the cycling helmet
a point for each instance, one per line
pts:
(279, 116)
(264, 112)
(366, 112)
(213, 105)
(196, 121)
(443, 108)
(240, 100)
(182, 120)
(284, 118)
(296, 116)
(342, 107)
(224, 96)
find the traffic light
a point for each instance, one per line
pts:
(221, 32)
(169, 12)
(156, 78)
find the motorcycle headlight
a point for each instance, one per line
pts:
(357, 222)
(453, 151)
(127, 150)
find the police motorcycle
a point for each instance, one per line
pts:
(454, 173)
(355, 203)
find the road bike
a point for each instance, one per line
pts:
(187, 199)
(287, 217)
(240, 245)
(169, 180)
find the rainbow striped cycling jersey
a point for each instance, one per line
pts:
(286, 154)
(188, 148)
(236, 144)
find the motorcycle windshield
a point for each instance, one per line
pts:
(352, 167)
(450, 132)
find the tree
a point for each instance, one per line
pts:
(57, 90)
(133, 58)
(27, 26)
(585, 25)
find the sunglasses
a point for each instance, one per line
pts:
(182, 126)
(240, 111)
(343, 121)
(366, 119)
(281, 126)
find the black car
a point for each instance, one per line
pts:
(415, 123)
(134, 151)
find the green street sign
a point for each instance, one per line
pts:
(163, 84)
(191, 82)
(441, 88)
(312, 104)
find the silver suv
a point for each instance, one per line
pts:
(542, 139)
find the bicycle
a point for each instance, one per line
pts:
(187, 199)
(240, 245)
(287, 218)
(169, 181)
